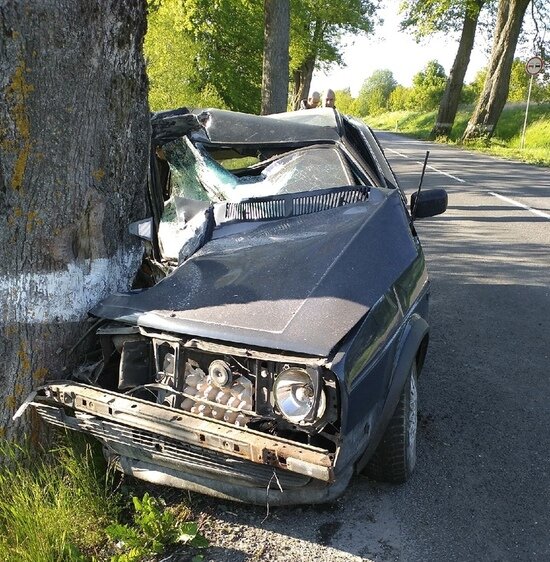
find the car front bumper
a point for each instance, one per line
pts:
(177, 448)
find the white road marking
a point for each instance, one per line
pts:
(397, 152)
(431, 167)
(518, 204)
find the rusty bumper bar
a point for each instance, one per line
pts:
(116, 419)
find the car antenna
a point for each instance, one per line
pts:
(413, 212)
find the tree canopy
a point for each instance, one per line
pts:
(207, 52)
(375, 92)
(170, 53)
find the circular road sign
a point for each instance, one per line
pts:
(534, 65)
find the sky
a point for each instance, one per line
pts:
(397, 51)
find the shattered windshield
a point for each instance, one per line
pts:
(196, 175)
(198, 180)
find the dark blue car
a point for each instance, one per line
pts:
(279, 344)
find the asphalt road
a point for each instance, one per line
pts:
(481, 490)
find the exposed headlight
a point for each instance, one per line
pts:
(297, 394)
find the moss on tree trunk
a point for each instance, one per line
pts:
(74, 133)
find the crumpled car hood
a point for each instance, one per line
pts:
(297, 285)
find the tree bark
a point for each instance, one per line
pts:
(495, 90)
(451, 97)
(74, 134)
(302, 81)
(304, 74)
(275, 62)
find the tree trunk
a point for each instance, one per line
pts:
(495, 90)
(74, 134)
(275, 66)
(451, 97)
(302, 81)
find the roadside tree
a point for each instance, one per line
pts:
(375, 93)
(74, 132)
(428, 87)
(316, 35)
(426, 17)
(495, 90)
(275, 60)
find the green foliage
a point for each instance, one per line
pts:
(54, 506)
(425, 93)
(400, 98)
(228, 35)
(375, 92)
(476, 86)
(317, 28)
(202, 53)
(506, 141)
(519, 84)
(428, 87)
(170, 54)
(345, 102)
(154, 528)
(426, 17)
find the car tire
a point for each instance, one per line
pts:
(395, 457)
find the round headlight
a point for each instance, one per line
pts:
(294, 392)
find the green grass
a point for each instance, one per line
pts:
(65, 505)
(54, 506)
(505, 142)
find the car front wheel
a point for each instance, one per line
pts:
(395, 457)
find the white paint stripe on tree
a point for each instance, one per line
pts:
(65, 296)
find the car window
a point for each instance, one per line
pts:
(196, 175)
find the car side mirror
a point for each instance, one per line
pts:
(428, 203)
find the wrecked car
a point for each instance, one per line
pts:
(280, 354)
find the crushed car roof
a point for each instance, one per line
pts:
(229, 127)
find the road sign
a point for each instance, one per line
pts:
(534, 66)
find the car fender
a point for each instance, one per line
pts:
(412, 347)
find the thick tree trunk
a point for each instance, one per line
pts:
(275, 64)
(74, 133)
(451, 97)
(302, 81)
(495, 90)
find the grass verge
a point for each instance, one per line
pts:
(65, 505)
(505, 143)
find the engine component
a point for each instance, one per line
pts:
(218, 394)
(220, 373)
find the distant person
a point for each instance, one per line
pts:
(330, 98)
(312, 102)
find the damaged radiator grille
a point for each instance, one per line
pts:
(144, 445)
(279, 207)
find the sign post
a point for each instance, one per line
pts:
(533, 67)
